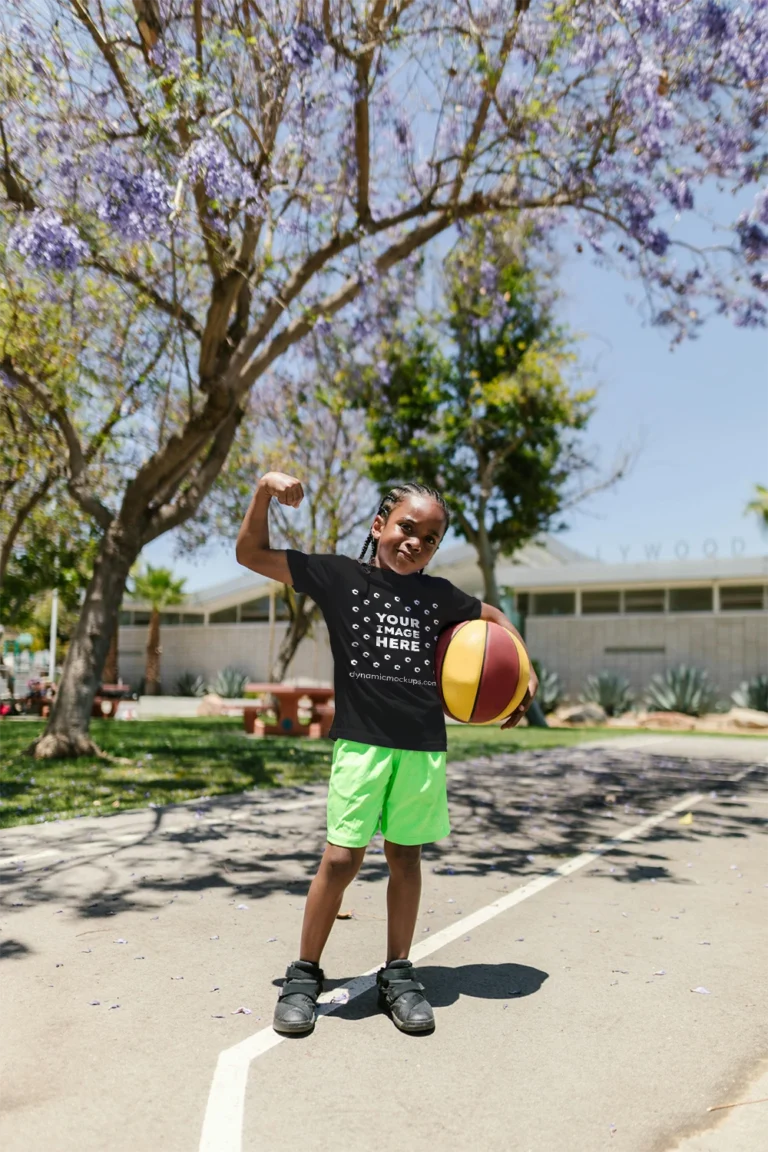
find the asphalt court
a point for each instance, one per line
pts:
(567, 1020)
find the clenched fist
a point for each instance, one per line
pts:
(285, 489)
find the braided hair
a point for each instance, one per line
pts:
(394, 497)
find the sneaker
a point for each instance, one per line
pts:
(402, 996)
(295, 1008)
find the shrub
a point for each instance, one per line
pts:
(611, 691)
(229, 683)
(190, 684)
(550, 689)
(682, 689)
(752, 694)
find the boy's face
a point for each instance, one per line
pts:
(409, 538)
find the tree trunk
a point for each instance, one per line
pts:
(66, 733)
(304, 613)
(111, 674)
(152, 670)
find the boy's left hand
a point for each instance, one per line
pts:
(525, 703)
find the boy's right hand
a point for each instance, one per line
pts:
(286, 489)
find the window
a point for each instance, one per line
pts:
(225, 616)
(126, 618)
(690, 599)
(255, 610)
(141, 617)
(554, 604)
(521, 601)
(749, 598)
(192, 618)
(170, 617)
(594, 603)
(644, 600)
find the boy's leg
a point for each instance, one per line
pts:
(403, 896)
(400, 992)
(337, 870)
(295, 1008)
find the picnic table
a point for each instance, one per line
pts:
(287, 697)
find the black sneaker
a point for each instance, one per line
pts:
(402, 996)
(295, 1008)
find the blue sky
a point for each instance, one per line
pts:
(696, 416)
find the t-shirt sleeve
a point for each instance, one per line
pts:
(458, 605)
(311, 573)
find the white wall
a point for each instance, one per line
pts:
(731, 646)
(206, 649)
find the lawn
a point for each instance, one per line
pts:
(164, 761)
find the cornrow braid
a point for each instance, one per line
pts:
(392, 499)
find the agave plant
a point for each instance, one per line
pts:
(550, 689)
(611, 691)
(752, 694)
(189, 684)
(230, 683)
(682, 689)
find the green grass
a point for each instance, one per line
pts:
(171, 760)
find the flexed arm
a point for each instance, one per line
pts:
(252, 549)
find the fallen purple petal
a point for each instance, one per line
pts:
(94, 1003)
(120, 941)
(241, 1011)
(661, 972)
(214, 937)
(702, 990)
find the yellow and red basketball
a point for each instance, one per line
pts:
(482, 671)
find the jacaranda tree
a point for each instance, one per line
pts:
(244, 170)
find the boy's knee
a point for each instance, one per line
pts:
(403, 857)
(343, 863)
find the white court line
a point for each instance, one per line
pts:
(223, 1121)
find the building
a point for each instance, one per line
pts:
(579, 616)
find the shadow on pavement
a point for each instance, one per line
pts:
(513, 815)
(444, 986)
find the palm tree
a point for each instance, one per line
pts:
(760, 504)
(155, 586)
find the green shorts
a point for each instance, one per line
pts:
(403, 793)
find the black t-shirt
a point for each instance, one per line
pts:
(383, 629)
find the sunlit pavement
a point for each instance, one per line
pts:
(609, 1009)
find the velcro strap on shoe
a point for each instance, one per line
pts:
(394, 988)
(300, 987)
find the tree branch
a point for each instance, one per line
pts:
(76, 479)
(22, 514)
(106, 50)
(170, 516)
(167, 306)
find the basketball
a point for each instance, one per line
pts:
(482, 671)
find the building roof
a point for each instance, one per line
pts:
(543, 564)
(667, 572)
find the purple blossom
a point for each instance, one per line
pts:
(138, 205)
(754, 241)
(304, 46)
(223, 177)
(48, 243)
(714, 20)
(678, 192)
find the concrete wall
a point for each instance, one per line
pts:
(731, 646)
(208, 649)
